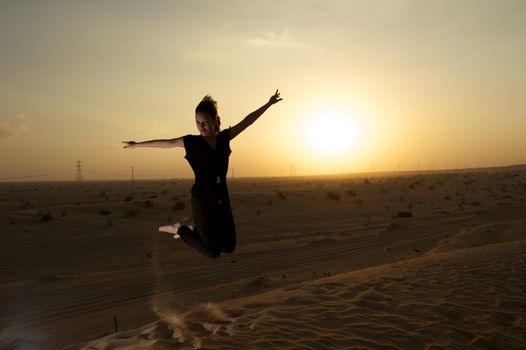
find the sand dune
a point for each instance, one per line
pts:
(321, 263)
(457, 299)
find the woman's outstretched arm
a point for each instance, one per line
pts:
(252, 117)
(162, 143)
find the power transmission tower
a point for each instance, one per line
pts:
(78, 176)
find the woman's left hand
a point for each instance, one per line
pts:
(129, 144)
(275, 98)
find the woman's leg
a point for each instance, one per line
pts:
(228, 232)
(194, 240)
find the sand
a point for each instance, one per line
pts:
(321, 263)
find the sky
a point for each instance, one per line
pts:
(366, 85)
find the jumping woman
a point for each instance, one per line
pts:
(214, 231)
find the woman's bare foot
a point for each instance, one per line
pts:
(171, 229)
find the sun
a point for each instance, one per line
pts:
(331, 132)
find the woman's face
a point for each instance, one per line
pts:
(204, 124)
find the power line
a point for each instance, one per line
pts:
(78, 175)
(34, 176)
(46, 170)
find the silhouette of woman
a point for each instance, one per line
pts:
(214, 231)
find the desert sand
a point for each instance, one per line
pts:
(368, 261)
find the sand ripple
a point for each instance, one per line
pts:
(453, 300)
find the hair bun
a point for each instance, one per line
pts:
(209, 106)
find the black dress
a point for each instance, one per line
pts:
(214, 229)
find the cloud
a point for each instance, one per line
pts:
(6, 130)
(16, 128)
(273, 39)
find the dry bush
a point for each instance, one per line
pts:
(404, 214)
(179, 206)
(46, 217)
(148, 204)
(130, 213)
(333, 196)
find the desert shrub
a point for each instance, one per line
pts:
(333, 196)
(128, 198)
(351, 193)
(130, 213)
(404, 214)
(179, 206)
(359, 201)
(46, 217)
(148, 204)
(414, 184)
(393, 226)
(27, 204)
(104, 212)
(281, 195)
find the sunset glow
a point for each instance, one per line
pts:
(442, 83)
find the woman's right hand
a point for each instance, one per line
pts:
(274, 98)
(130, 144)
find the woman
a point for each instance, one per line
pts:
(214, 230)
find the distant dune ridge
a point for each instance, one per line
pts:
(322, 263)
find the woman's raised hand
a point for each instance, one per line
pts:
(129, 144)
(275, 98)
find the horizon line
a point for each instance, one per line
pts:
(515, 167)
